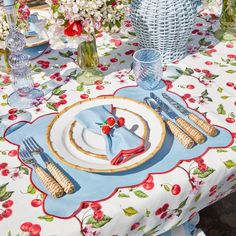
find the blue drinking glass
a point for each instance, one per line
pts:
(148, 68)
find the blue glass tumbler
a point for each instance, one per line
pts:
(148, 68)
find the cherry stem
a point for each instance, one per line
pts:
(81, 226)
(83, 217)
(189, 176)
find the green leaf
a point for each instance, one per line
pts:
(51, 106)
(229, 164)
(9, 233)
(148, 213)
(183, 203)
(173, 77)
(197, 198)
(221, 150)
(140, 194)
(178, 212)
(46, 218)
(57, 91)
(231, 71)
(191, 209)
(206, 54)
(80, 87)
(152, 231)
(233, 148)
(180, 71)
(106, 54)
(188, 71)
(122, 62)
(131, 77)
(224, 97)
(132, 33)
(141, 228)
(3, 189)
(66, 54)
(221, 110)
(220, 90)
(204, 42)
(5, 196)
(204, 93)
(233, 64)
(98, 224)
(31, 189)
(53, 58)
(123, 195)
(130, 211)
(211, 77)
(24, 170)
(167, 188)
(203, 174)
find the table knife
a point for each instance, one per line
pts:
(178, 133)
(190, 130)
(204, 125)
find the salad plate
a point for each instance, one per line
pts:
(94, 145)
(63, 130)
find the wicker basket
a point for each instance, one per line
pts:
(164, 25)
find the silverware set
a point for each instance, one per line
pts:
(56, 182)
(186, 133)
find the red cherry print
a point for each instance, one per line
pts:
(104, 68)
(176, 189)
(56, 104)
(12, 153)
(230, 84)
(106, 129)
(63, 66)
(136, 44)
(165, 207)
(175, 62)
(121, 121)
(197, 70)
(234, 87)
(111, 121)
(12, 117)
(200, 33)
(63, 101)
(1, 217)
(199, 24)
(229, 45)
(163, 215)
(209, 63)
(35, 229)
(59, 79)
(63, 96)
(195, 31)
(187, 95)
(202, 167)
(5, 172)
(36, 85)
(148, 186)
(205, 71)
(234, 135)
(84, 205)
(84, 96)
(100, 87)
(7, 213)
(230, 120)
(134, 226)
(192, 100)
(98, 82)
(12, 111)
(113, 60)
(230, 177)
(118, 43)
(36, 202)
(149, 179)
(213, 188)
(199, 160)
(57, 74)
(7, 204)
(34, 234)
(190, 86)
(96, 206)
(158, 211)
(98, 215)
(100, 65)
(3, 165)
(212, 193)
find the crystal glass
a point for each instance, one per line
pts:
(24, 95)
(87, 59)
(148, 68)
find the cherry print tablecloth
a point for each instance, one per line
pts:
(206, 81)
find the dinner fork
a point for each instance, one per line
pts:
(49, 182)
(60, 177)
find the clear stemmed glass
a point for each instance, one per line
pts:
(24, 95)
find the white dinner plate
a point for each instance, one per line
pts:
(60, 143)
(93, 145)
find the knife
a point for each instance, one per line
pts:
(191, 131)
(205, 126)
(183, 138)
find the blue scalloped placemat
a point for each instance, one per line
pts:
(89, 185)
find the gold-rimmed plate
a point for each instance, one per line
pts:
(93, 145)
(60, 144)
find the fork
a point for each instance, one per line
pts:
(49, 182)
(60, 177)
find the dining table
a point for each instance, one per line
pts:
(157, 197)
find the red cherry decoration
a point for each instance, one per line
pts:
(63, 96)
(7, 204)
(98, 215)
(176, 189)
(134, 226)
(163, 215)
(3, 165)
(98, 82)
(230, 84)
(106, 129)
(5, 172)
(190, 86)
(96, 206)
(1, 217)
(230, 120)
(121, 121)
(165, 207)
(36, 202)
(25, 226)
(12, 111)
(84, 205)
(148, 186)
(111, 121)
(213, 188)
(158, 211)
(149, 179)
(202, 167)
(35, 229)
(84, 96)
(12, 153)
(12, 117)
(7, 213)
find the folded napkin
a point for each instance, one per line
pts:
(121, 143)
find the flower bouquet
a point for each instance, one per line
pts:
(74, 23)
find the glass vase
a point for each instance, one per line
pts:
(4, 64)
(88, 60)
(227, 31)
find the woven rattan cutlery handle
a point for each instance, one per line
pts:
(66, 184)
(191, 131)
(205, 126)
(183, 138)
(50, 183)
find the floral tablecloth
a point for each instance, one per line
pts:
(206, 81)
